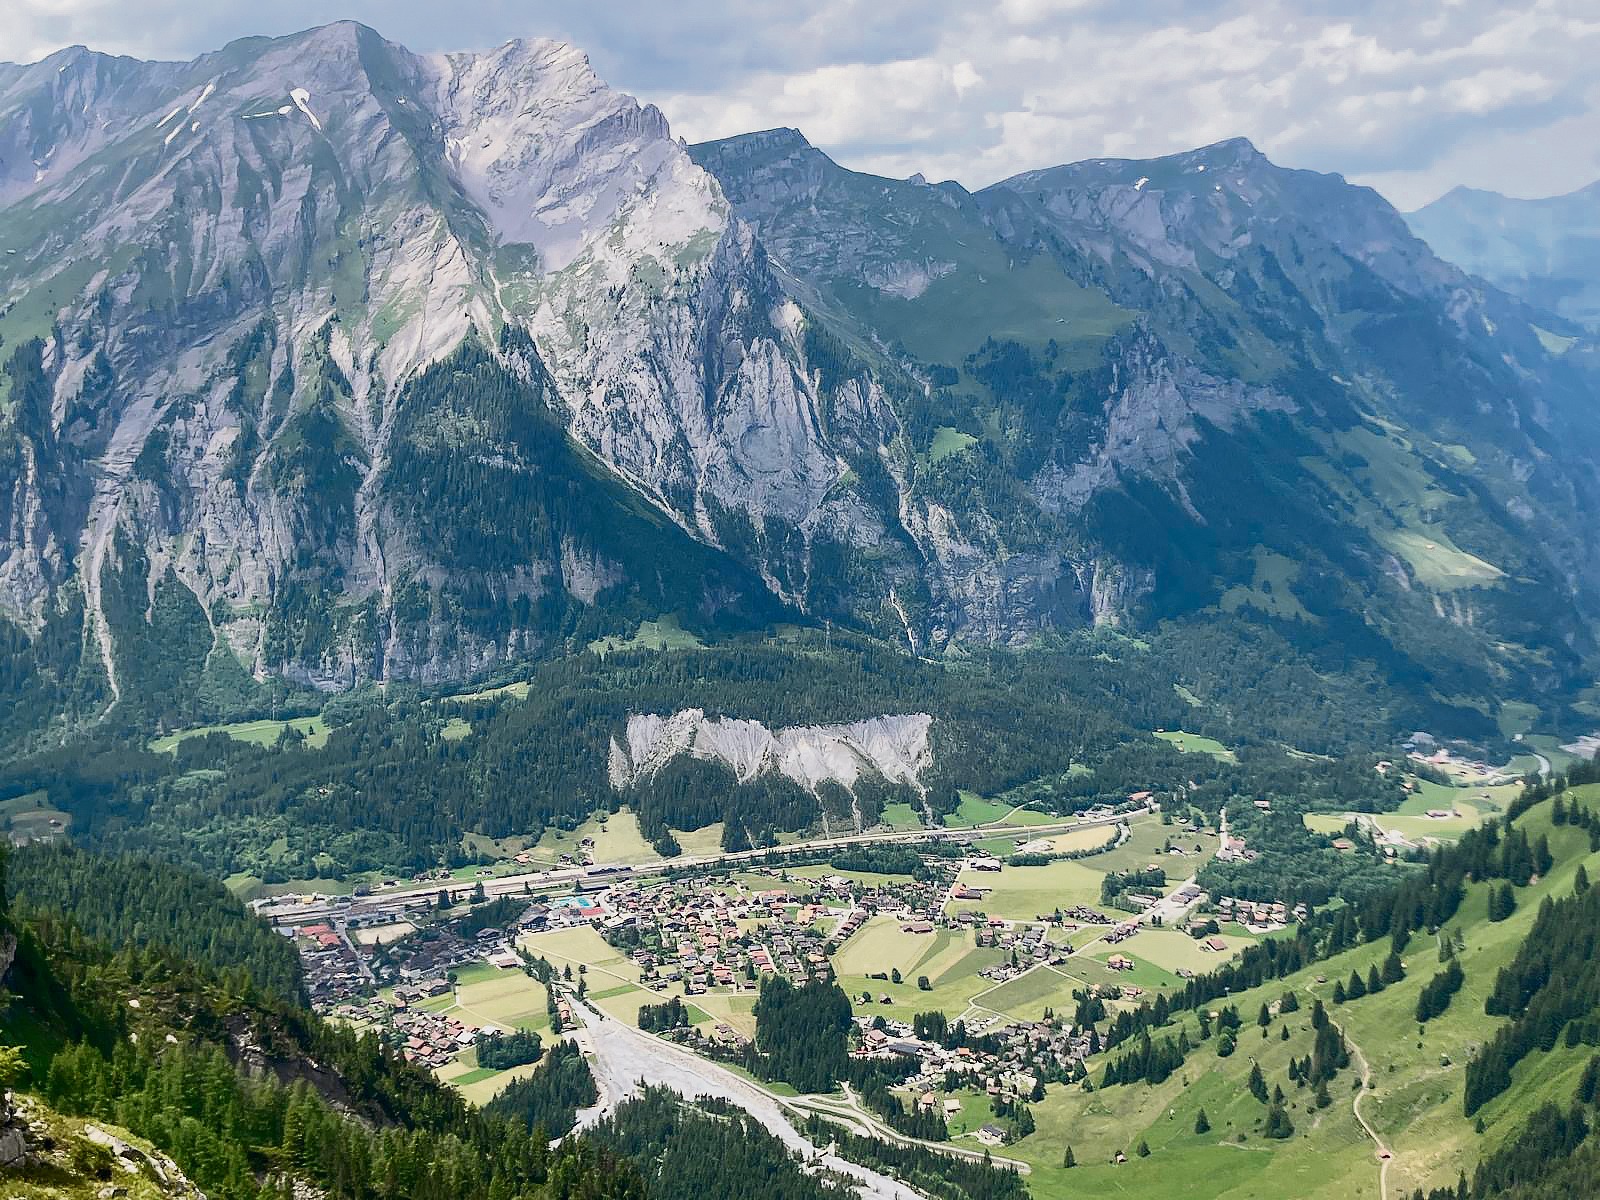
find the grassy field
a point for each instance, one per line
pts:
(1171, 949)
(700, 841)
(616, 840)
(1146, 840)
(1415, 1099)
(1470, 804)
(974, 810)
(1074, 841)
(948, 441)
(478, 1084)
(951, 959)
(879, 945)
(901, 816)
(1023, 893)
(583, 946)
(1028, 996)
(865, 878)
(664, 633)
(30, 817)
(517, 691)
(1269, 590)
(1194, 743)
(257, 733)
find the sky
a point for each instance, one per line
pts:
(1411, 98)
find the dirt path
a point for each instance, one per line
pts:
(1385, 1155)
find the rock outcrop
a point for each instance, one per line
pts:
(895, 748)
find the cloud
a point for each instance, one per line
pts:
(1410, 100)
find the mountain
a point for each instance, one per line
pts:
(359, 364)
(327, 362)
(1221, 383)
(1547, 251)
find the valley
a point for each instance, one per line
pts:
(540, 660)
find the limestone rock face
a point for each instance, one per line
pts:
(895, 748)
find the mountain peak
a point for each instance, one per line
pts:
(782, 142)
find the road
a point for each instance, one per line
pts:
(623, 1058)
(395, 900)
(1169, 908)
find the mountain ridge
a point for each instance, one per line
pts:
(1544, 249)
(259, 280)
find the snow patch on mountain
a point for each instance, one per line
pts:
(895, 747)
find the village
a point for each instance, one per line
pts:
(1002, 936)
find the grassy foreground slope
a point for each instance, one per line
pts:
(1413, 1099)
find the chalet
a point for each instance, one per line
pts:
(992, 1135)
(1120, 962)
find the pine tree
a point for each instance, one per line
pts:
(1067, 1159)
(1258, 1083)
(1502, 902)
(1201, 1123)
(1580, 881)
(1143, 1150)
(1589, 1082)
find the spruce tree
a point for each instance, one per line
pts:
(1258, 1083)
(1201, 1123)
(1067, 1158)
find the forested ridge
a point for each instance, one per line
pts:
(1064, 727)
(124, 900)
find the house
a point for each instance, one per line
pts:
(1216, 943)
(1120, 962)
(992, 1135)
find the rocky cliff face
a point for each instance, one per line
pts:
(332, 362)
(241, 270)
(891, 748)
(1141, 377)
